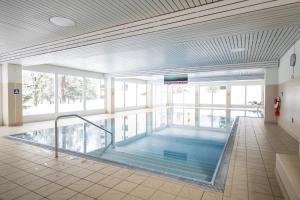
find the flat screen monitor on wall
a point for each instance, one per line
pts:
(176, 79)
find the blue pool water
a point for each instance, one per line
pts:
(185, 143)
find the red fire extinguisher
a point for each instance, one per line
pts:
(277, 101)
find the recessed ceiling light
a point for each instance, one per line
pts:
(237, 50)
(62, 21)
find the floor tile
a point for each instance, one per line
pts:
(142, 192)
(48, 189)
(30, 196)
(171, 187)
(95, 191)
(125, 186)
(63, 194)
(95, 177)
(80, 185)
(110, 181)
(112, 195)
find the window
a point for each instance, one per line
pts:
(238, 95)
(183, 95)
(213, 95)
(219, 95)
(38, 93)
(95, 94)
(254, 93)
(119, 94)
(159, 95)
(189, 95)
(177, 95)
(130, 94)
(141, 94)
(205, 95)
(70, 93)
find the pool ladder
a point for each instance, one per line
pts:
(75, 115)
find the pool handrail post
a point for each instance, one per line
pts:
(75, 115)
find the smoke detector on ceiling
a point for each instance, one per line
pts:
(62, 21)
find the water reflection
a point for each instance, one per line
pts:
(179, 141)
(179, 122)
(85, 138)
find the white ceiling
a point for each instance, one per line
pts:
(26, 23)
(132, 37)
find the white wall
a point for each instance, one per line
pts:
(289, 91)
(285, 70)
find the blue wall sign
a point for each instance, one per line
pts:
(16, 91)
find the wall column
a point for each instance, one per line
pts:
(12, 94)
(271, 91)
(110, 95)
(1, 97)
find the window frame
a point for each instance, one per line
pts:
(68, 72)
(124, 107)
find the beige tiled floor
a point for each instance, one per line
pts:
(29, 172)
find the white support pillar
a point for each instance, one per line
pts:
(271, 91)
(197, 95)
(12, 94)
(1, 97)
(110, 95)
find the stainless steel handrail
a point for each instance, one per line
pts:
(75, 115)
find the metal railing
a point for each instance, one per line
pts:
(75, 115)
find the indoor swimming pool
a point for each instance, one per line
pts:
(185, 143)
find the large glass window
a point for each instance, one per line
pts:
(189, 95)
(130, 94)
(254, 94)
(95, 94)
(70, 93)
(119, 94)
(38, 93)
(219, 95)
(141, 94)
(205, 95)
(159, 95)
(213, 95)
(178, 91)
(238, 95)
